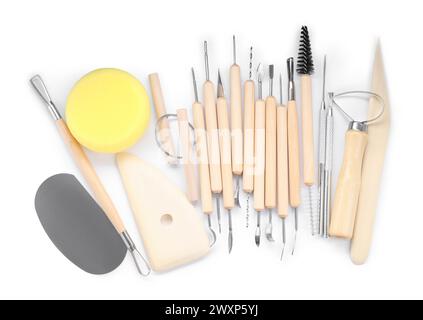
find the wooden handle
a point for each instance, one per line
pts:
(90, 176)
(159, 105)
(260, 154)
(186, 147)
(282, 159)
(270, 170)
(225, 153)
(212, 137)
(249, 118)
(203, 158)
(293, 156)
(308, 136)
(348, 188)
(236, 120)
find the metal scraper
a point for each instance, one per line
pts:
(77, 225)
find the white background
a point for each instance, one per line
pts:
(63, 40)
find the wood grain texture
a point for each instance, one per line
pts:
(282, 161)
(249, 119)
(348, 187)
(160, 108)
(187, 156)
(293, 156)
(270, 170)
(260, 154)
(236, 120)
(202, 158)
(212, 137)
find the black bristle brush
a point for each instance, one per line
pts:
(305, 64)
(305, 68)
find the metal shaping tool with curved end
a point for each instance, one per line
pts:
(77, 225)
(203, 159)
(293, 148)
(225, 156)
(91, 177)
(236, 123)
(259, 152)
(270, 158)
(212, 136)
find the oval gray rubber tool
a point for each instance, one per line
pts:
(77, 225)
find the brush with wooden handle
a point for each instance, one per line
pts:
(282, 164)
(236, 123)
(270, 170)
(225, 156)
(203, 158)
(249, 101)
(259, 153)
(293, 149)
(212, 136)
(91, 177)
(164, 130)
(305, 68)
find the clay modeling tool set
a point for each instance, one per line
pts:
(233, 135)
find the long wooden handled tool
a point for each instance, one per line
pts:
(164, 130)
(203, 158)
(259, 153)
(236, 123)
(349, 181)
(249, 100)
(186, 146)
(305, 68)
(225, 157)
(91, 177)
(212, 135)
(282, 165)
(293, 148)
(270, 170)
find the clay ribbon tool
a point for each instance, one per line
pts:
(91, 177)
(249, 118)
(77, 226)
(270, 169)
(322, 156)
(347, 192)
(186, 147)
(372, 166)
(203, 158)
(293, 149)
(305, 68)
(172, 231)
(165, 137)
(259, 152)
(236, 123)
(282, 164)
(225, 156)
(212, 136)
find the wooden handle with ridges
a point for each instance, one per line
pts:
(187, 157)
(202, 158)
(249, 118)
(260, 154)
(307, 124)
(347, 193)
(282, 160)
(160, 108)
(225, 153)
(270, 169)
(212, 137)
(293, 156)
(88, 171)
(236, 120)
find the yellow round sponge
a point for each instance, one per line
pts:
(108, 110)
